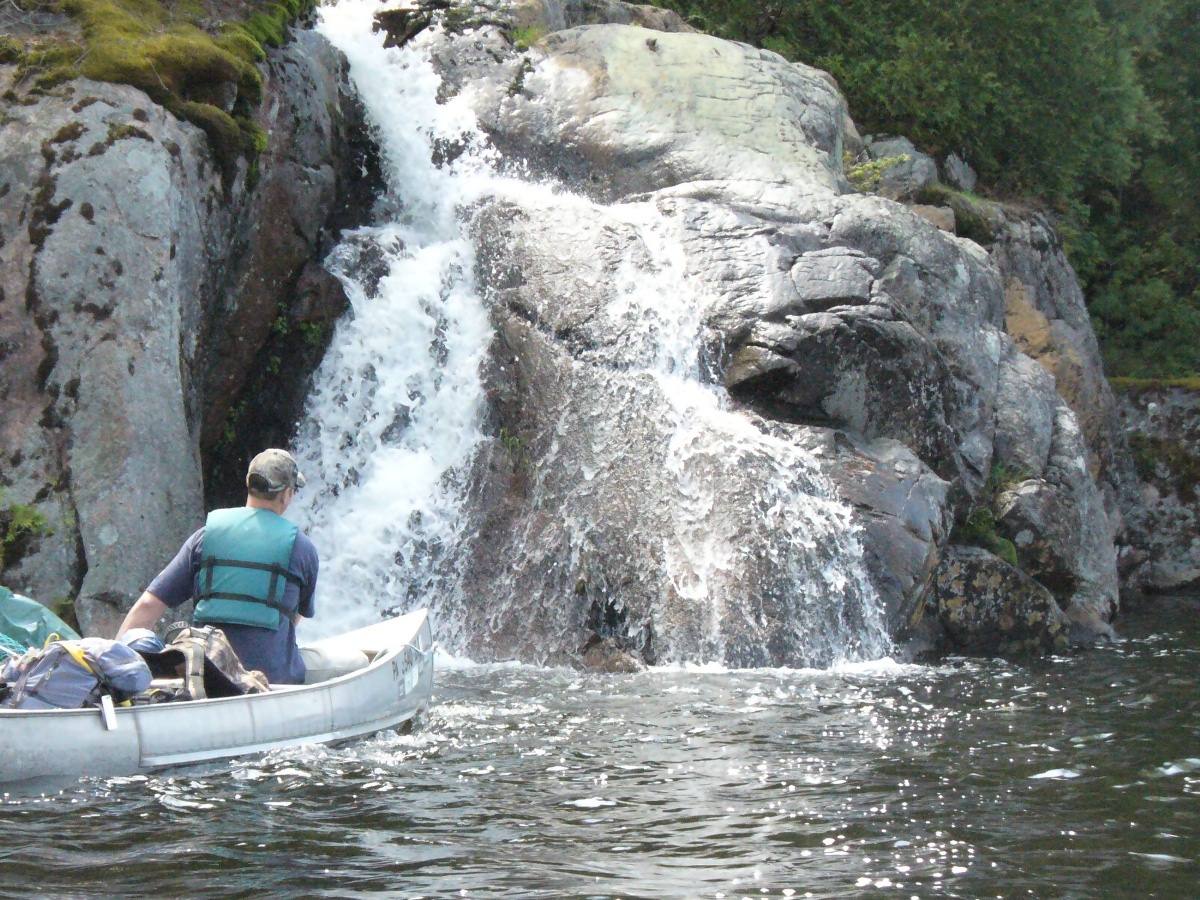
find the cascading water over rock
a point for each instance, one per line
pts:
(394, 417)
(622, 497)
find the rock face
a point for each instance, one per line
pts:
(1163, 424)
(136, 289)
(716, 312)
(910, 171)
(741, 412)
(1045, 314)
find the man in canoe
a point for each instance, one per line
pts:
(250, 571)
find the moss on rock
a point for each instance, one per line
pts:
(210, 80)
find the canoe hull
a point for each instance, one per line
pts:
(70, 743)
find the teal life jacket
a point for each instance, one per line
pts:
(244, 568)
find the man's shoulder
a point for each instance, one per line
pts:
(304, 548)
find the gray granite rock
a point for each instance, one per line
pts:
(958, 173)
(844, 326)
(1047, 319)
(910, 172)
(1163, 424)
(135, 289)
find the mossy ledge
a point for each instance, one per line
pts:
(202, 72)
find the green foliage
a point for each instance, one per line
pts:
(19, 524)
(526, 36)
(229, 429)
(979, 528)
(64, 608)
(1144, 276)
(1090, 108)
(514, 445)
(314, 333)
(11, 50)
(866, 176)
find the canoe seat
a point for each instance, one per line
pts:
(324, 662)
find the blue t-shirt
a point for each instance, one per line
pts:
(274, 653)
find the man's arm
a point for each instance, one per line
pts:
(144, 614)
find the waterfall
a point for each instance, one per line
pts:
(393, 422)
(394, 417)
(834, 609)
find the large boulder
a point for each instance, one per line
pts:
(136, 286)
(617, 110)
(740, 405)
(906, 170)
(990, 607)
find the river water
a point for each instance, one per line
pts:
(1073, 776)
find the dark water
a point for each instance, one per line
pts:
(1070, 777)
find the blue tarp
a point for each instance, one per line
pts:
(26, 623)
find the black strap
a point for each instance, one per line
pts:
(245, 598)
(277, 571)
(274, 568)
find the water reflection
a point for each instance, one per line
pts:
(1070, 777)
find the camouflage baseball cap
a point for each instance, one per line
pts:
(273, 471)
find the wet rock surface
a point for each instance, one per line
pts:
(843, 326)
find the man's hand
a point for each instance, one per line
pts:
(144, 614)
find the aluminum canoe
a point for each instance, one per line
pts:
(391, 690)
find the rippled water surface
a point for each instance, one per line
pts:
(1070, 777)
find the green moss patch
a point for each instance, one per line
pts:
(979, 528)
(207, 78)
(20, 526)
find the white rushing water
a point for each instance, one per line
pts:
(394, 420)
(834, 609)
